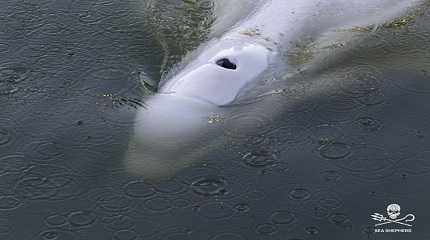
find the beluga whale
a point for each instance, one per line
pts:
(240, 53)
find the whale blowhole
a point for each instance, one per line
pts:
(226, 63)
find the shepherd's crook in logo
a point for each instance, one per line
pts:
(393, 211)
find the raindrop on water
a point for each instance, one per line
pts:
(299, 194)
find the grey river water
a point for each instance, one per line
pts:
(350, 135)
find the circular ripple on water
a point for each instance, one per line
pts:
(312, 230)
(365, 158)
(367, 125)
(139, 189)
(55, 220)
(35, 188)
(42, 151)
(365, 162)
(181, 203)
(13, 164)
(266, 229)
(373, 98)
(242, 207)
(320, 212)
(68, 186)
(109, 202)
(114, 203)
(49, 182)
(323, 203)
(208, 181)
(9, 203)
(215, 211)
(7, 132)
(335, 150)
(361, 80)
(281, 168)
(254, 142)
(327, 199)
(341, 220)
(82, 219)
(46, 170)
(221, 186)
(283, 217)
(299, 194)
(210, 186)
(259, 158)
(243, 125)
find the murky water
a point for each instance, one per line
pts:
(308, 154)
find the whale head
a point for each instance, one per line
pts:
(220, 72)
(177, 117)
(212, 80)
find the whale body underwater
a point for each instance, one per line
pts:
(239, 54)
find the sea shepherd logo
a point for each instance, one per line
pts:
(393, 222)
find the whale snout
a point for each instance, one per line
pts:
(170, 117)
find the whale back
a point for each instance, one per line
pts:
(280, 21)
(270, 30)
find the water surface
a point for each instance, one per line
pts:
(338, 137)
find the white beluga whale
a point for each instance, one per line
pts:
(241, 52)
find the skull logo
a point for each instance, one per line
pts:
(393, 211)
